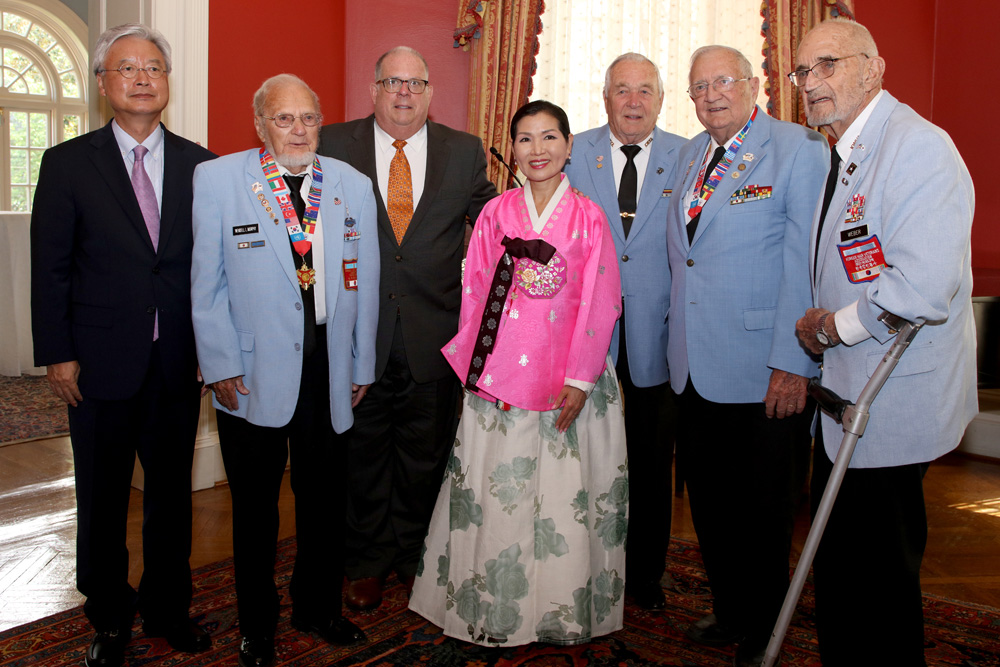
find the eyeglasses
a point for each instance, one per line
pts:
(287, 119)
(394, 85)
(131, 71)
(723, 85)
(822, 70)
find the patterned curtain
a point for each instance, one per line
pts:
(503, 38)
(785, 24)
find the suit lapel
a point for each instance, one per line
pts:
(332, 216)
(691, 169)
(277, 234)
(754, 144)
(653, 183)
(107, 159)
(438, 154)
(597, 161)
(848, 184)
(172, 186)
(361, 156)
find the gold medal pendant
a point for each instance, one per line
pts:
(306, 276)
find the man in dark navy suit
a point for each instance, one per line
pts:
(111, 319)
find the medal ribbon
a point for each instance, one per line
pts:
(706, 188)
(300, 234)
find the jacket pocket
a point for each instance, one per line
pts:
(88, 315)
(758, 318)
(915, 360)
(246, 340)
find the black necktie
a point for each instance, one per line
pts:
(308, 296)
(628, 187)
(712, 164)
(831, 185)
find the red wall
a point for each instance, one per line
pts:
(251, 40)
(934, 51)
(424, 26)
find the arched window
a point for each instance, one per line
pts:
(43, 96)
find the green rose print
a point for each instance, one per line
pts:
(548, 541)
(444, 563)
(581, 608)
(551, 628)
(502, 618)
(420, 563)
(612, 524)
(463, 508)
(487, 411)
(466, 601)
(608, 590)
(605, 393)
(508, 481)
(559, 444)
(580, 507)
(506, 582)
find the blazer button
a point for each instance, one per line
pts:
(156, 270)
(151, 310)
(624, 258)
(399, 258)
(297, 347)
(690, 262)
(298, 306)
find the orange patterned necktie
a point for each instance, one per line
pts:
(400, 192)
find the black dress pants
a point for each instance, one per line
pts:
(399, 445)
(740, 472)
(106, 435)
(255, 458)
(869, 609)
(650, 420)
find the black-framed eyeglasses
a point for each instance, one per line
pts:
(287, 120)
(824, 69)
(394, 85)
(723, 85)
(131, 71)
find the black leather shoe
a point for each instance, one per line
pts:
(748, 656)
(338, 631)
(107, 648)
(256, 652)
(648, 595)
(709, 632)
(186, 637)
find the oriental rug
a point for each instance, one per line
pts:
(958, 633)
(29, 410)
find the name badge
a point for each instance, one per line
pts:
(863, 260)
(853, 233)
(244, 229)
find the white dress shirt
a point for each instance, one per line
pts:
(153, 162)
(641, 159)
(319, 261)
(416, 154)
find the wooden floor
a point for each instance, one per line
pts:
(37, 528)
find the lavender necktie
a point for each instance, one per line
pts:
(150, 209)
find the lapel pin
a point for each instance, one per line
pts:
(861, 147)
(844, 181)
(659, 170)
(741, 167)
(850, 170)
(748, 157)
(599, 165)
(336, 201)
(600, 158)
(736, 174)
(257, 187)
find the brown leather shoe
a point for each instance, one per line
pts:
(364, 594)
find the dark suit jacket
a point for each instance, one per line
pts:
(96, 280)
(421, 278)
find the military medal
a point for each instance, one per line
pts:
(300, 234)
(306, 276)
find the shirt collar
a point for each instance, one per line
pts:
(126, 143)
(384, 142)
(845, 144)
(643, 144)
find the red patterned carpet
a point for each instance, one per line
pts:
(29, 410)
(959, 634)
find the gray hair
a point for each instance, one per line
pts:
(742, 64)
(632, 58)
(112, 35)
(857, 34)
(394, 51)
(264, 92)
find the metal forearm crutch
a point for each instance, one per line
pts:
(854, 418)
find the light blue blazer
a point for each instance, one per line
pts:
(642, 257)
(918, 206)
(738, 290)
(246, 300)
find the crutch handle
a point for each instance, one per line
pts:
(828, 400)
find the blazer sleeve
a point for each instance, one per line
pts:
(215, 335)
(53, 232)
(482, 190)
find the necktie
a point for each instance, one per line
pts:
(146, 197)
(717, 156)
(308, 296)
(627, 188)
(400, 199)
(831, 185)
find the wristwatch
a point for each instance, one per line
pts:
(821, 335)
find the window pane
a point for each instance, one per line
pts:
(40, 37)
(16, 24)
(9, 76)
(35, 162)
(19, 199)
(18, 165)
(59, 59)
(71, 127)
(36, 82)
(16, 60)
(70, 88)
(18, 128)
(18, 87)
(39, 137)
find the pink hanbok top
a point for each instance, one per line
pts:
(558, 317)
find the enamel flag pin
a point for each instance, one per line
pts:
(749, 157)
(257, 187)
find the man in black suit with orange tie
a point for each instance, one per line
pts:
(111, 319)
(428, 180)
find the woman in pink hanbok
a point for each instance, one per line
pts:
(527, 541)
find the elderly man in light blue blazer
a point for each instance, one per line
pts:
(284, 295)
(893, 234)
(738, 241)
(634, 192)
